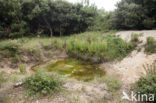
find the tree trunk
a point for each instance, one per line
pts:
(60, 31)
(49, 26)
(51, 32)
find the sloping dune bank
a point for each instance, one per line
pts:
(131, 68)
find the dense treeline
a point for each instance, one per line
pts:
(20, 18)
(50, 17)
(134, 14)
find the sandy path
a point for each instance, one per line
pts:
(131, 67)
(126, 35)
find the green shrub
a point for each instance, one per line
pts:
(147, 84)
(118, 48)
(42, 83)
(22, 68)
(150, 45)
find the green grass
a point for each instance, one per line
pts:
(135, 37)
(150, 46)
(94, 46)
(102, 47)
(22, 68)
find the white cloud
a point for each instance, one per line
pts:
(108, 5)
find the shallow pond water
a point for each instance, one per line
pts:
(73, 68)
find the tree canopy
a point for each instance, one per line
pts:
(19, 18)
(50, 17)
(134, 14)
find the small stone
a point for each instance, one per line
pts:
(18, 84)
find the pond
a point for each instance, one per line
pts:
(72, 68)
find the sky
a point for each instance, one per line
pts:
(108, 5)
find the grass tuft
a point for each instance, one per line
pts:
(22, 68)
(150, 45)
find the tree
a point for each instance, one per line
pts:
(44, 17)
(11, 19)
(134, 14)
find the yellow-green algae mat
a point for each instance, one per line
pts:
(69, 67)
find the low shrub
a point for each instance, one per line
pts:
(42, 83)
(150, 45)
(118, 48)
(147, 84)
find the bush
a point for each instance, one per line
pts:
(150, 45)
(118, 48)
(147, 84)
(22, 68)
(42, 83)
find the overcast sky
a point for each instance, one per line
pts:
(108, 5)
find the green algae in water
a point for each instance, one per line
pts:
(77, 69)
